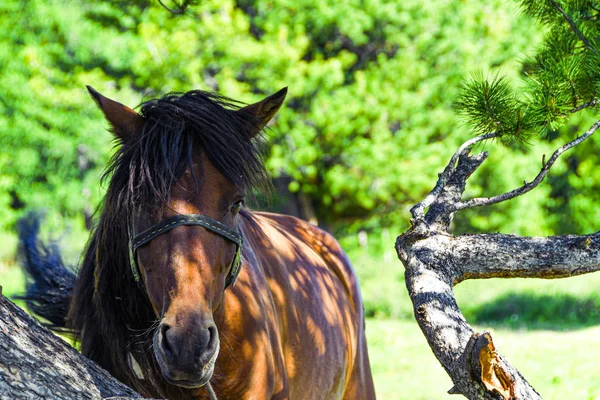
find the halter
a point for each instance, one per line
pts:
(166, 225)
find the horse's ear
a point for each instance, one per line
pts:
(265, 109)
(125, 122)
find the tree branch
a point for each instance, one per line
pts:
(484, 201)
(592, 103)
(470, 359)
(35, 363)
(509, 256)
(435, 261)
(418, 211)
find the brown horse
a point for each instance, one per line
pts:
(185, 293)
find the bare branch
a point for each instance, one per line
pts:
(485, 256)
(436, 262)
(592, 103)
(484, 201)
(573, 27)
(418, 210)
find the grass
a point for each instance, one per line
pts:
(558, 364)
(558, 304)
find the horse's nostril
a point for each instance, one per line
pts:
(213, 335)
(164, 342)
(187, 346)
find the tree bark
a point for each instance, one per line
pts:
(36, 364)
(435, 261)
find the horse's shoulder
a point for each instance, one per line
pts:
(320, 241)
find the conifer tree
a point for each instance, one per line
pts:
(561, 79)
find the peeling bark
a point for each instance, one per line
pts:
(435, 261)
(36, 364)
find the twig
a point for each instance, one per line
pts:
(418, 211)
(573, 27)
(180, 7)
(484, 201)
(584, 105)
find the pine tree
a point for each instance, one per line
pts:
(562, 78)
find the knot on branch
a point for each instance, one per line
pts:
(488, 367)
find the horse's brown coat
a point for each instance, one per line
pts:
(292, 327)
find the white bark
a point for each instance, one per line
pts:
(436, 260)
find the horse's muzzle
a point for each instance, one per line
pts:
(187, 354)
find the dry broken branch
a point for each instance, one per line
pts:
(436, 260)
(36, 364)
(418, 210)
(478, 202)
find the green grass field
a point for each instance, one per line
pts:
(549, 330)
(559, 364)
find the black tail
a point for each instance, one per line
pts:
(49, 282)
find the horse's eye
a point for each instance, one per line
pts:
(236, 207)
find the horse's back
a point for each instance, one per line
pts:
(313, 290)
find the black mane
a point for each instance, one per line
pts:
(145, 167)
(110, 312)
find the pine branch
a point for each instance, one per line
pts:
(491, 106)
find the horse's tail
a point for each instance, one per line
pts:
(49, 283)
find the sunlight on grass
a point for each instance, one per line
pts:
(559, 365)
(403, 365)
(557, 304)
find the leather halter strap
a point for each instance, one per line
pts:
(166, 225)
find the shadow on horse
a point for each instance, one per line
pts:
(185, 293)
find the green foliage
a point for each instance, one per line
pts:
(493, 107)
(367, 124)
(369, 120)
(559, 80)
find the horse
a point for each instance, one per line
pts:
(183, 292)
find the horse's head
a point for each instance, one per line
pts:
(189, 162)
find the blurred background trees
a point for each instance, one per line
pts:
(372, 84)
(370, 116)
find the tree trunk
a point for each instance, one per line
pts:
(435, 261)
(36, 364)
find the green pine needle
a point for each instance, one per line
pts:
(561, 79)
(489, 105)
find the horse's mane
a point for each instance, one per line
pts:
(110, 314)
